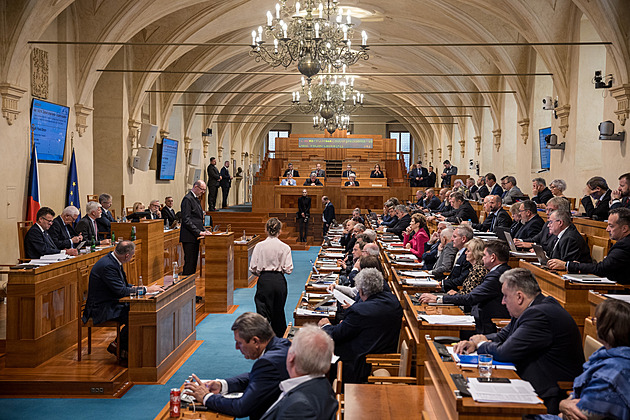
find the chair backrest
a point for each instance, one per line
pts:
(92, 197)
(599, 247)
(23, 228)
(404, 367)
(590, 345)
(572, 201)
(83, 281)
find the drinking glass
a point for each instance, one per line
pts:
(485, 365)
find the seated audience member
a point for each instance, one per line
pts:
(357, 213)
(319, 172)
(37, 241)
(596, 189)
(139, 212)
(474, 255)
(104, 222)
(87, 225)
(430, 256)
(371, 234)
(108, 283)
(313, 181)
(621, 196)
(542, 339)
(168, 213)
(557, 188)
(403, 221)
(307, 394)
(389, 215)
(446, 254)
(515, 211)
(496, 216)
(486, 299)
(260, 387)
(377, 173)
(458, 186)
(154, 210)
(471, 189)
(368, 259)
(290, 171)
(352, 181)
(416, 235)
(482, 190)
(449, 170)
(531, 222)
(544, 238)
(540, 193)
(461, 267)
(512, 192)
(615, 265)
(570, 245)
(602, 390)
(445, 207)
(431, 202)
(288, 181)
(431, 177)
(372, 326)
(463, 210)
(492, 186)
(62, 233)
(348, 171)
(347, 234)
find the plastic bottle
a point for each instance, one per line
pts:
(133, 233)
(175, 272)
(113, 238)
(140, 287)
(93, 245)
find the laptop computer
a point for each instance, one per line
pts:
(540, 254)
(508, 238)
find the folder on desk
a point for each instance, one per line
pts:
(587, 278)
(517, 391)
(470, 360)
(464, 320)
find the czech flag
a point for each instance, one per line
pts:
(72, 189)
(32, 203)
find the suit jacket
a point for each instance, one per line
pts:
(346, 174)
(260, 387)
(226, 181)
(624, 202)
(379, 175)
(108, 283)
(496, 190)
(319, 173)
(304, 206)
(516, 227)
(485, 300)
(458, 273)
(543, 196)
(483, 191)
(544, 343)
(213, 176)
(104, 222)
(86, 228)
(430, 256)
(308, 182)
(38, 243)
(192, 219)
(445, 260)
(614, 266)
(572, 247)
(390, 222)
(449, 172)
(350, 183)
(531, 228)
(431, 178)
(370, 326)
(329, 213)
(168, 215)
(489, 224)
(432, 204)
(59, 234)
(311, 400)
(545, 239)
(295, 173)
(464, 212)
(510, 196)
(601, 211)
(400, 226)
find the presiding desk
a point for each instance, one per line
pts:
(161, 329)
(383, 402)
(151, 232)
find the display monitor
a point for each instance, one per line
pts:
(545, 154)
(167, 159)
(49, 123)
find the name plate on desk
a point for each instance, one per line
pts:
(335, 143)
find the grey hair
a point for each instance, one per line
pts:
(154, 202)
(447, 233)
(369, 281)
(401, 208)
(313, 349)
(562, 203)
(371, 234)
(371, 249)
(360, 226)
(564, 216)
(70, 211)
(540, 181)
(103, 198)
(465, 231)
(250, 325)
(91, 206)
(560, 184)
(521, 279)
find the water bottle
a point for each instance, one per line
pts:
(133, 233)
(175, 272)
(124, 215)
(140, 287)
(113, 238)
(244, 236)
(93, 245)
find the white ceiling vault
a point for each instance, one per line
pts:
(392, 21)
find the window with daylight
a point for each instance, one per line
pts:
(403, 144)
(271, 140)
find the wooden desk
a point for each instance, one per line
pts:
(161, 329)
(185, 413)
(219, 272)
(286, 197)
(242, 257)
(151, 232)
(383, 402)
(572, 296)
(364, 197)
(452, 407)
(299, 320)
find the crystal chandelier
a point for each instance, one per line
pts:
(316, 34)
(337, 122)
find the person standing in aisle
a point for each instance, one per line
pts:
(303, 214)
(213, 184)
(271, 260)
(225, 180)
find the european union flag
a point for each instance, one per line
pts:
(72, 190)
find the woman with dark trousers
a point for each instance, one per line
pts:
(271, 260)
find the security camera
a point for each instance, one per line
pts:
(552, 142)
(607, 132)
(471, 164)
(602, 82)
(548, 103)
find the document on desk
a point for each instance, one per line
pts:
(333, 254)
(472, 360)
(424, 274)
(422, 282)
(522, 254)
(587, 279)
(448, 319)
(304, 311)
(625, 298)
(517, 391)
(409, 263)
(342, 298)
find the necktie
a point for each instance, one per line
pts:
(95, 230)
(48, 239)
(494, 219)
(69, 236)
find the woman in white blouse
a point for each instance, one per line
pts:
(270, 261)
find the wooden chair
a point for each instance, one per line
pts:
(337, 386)
(394, 367)
(92, 197)
(129, 210)
(83, 277)
(599, 247)
(590, 345)
(23, 228)
(573, 201)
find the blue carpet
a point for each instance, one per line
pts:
(215, 358)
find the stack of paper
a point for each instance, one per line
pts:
(522, 254)
(587, 278)
(408, 258)
(424, 274)
(342, 298)
(333, 254)
(517, 391)
(304, 311)
(422, 282)
(410, 263)
(625, 298)
(448, 319)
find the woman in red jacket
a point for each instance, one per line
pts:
(416, 235)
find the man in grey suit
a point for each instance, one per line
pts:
(307, 394)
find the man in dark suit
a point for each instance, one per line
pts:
(615, 265)
(225, 180)
(404, 219)
(352, 181)
(544, 238)
(313, 181)
(461, 268)
(108, 283)
(491, 184)
(154, 210)
(463, 210)
(104, 222)
(328, 215)
(540, 193)
(348, 171)
(192, 227)
(303, 214)
(294, 172)
(214, 177)
(62, 232)
(307, 394)
(597, 188)
(542, 339)
(431, 201)
(431, 177)
(621, 196)
(88, 227)
(496, 216)
(319, 172)
(37, 241)
(570, 245)
(369, 326)
(482, 188)
(531, 221)
(260, 387)
(449, 171)
(168, 214)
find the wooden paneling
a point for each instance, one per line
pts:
(366, 401)
(242, 256)
(219, 272)
(172, 251)
(151, 232)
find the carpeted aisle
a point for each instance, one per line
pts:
(215, 358)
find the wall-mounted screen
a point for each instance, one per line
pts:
(545, 154)
(335, 143)
(49, 123)
(167, 159)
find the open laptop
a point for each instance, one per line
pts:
(540, 254)
(513, 249)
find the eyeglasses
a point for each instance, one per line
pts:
(553, 221)
(47, 220)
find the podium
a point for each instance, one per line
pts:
(218, 273)
(152, 234)
(242, 256)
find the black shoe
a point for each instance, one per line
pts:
(113, 346)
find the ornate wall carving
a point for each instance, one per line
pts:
(39, 73)
(10, 96)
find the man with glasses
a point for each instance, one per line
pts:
(544, 237)
(531, 221)
(512, 192)
(62, 232)
(192, 226)
(496, 216)
(87, 225)
(570, 245)
(37, 241)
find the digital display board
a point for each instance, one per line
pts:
(545, 154)
(335, 143)
(168, 159)
(49, 123)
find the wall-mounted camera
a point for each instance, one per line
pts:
(550, 104)
(471, 164)
(207, 133)
(602, 82)
(552, 142)
(607, 132)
